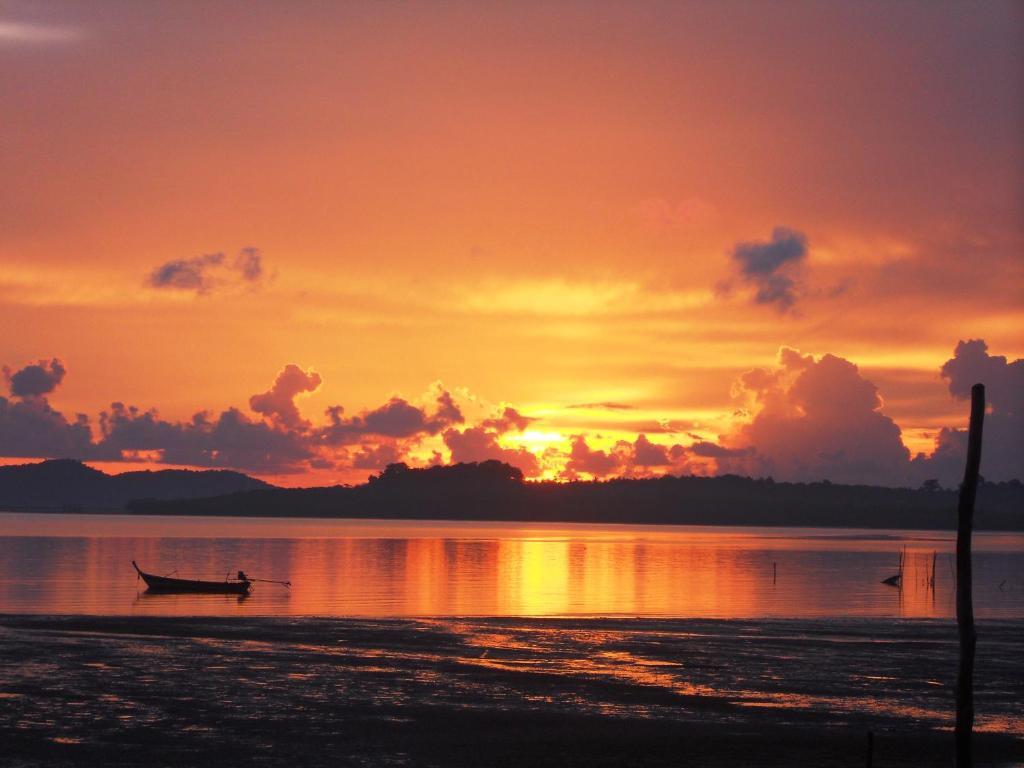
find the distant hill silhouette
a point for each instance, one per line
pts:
(495, 491)
(68, 484)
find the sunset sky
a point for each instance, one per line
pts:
(590, 239)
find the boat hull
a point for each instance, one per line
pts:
(167, 585)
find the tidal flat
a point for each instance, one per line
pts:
(160, 691)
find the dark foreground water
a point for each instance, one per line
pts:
(81, 564)
(154, 691)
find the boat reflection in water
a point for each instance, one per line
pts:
(177, 603)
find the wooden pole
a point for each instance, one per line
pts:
(964, 599)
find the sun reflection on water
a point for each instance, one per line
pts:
(453, 569)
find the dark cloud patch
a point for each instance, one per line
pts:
(1004, 381)
(279, 442)
(249, 265)
(769, 266)
(648, 454)
(378, 456)
(187, 274)
(31, 428)
(211, 271)
(708, 450)
(231, 440)
(29, 425)
(1002, 454)
(510, 420)
(278, 403)
(396, 419)
(36, 379)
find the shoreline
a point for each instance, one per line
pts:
(80, 690)
(424, 521)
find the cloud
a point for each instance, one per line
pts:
(805, 419)
(510, 420)
(378, 457)
(31, 428)
(231, 440)
(1002, 453)
(187, 274)
(585, 460)
(817, 419)
(35, 379)
(479, 443)
(1004, 382)
(280, 442)
(770, 266)
(211, 271)
(640, 458)
(278, 404)
(249, 264)
(397, 419)
(708, 450)
(644, 453)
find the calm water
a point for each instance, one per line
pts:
(82, 564)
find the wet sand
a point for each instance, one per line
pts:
(141, 691)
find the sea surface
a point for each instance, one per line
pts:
(81, 564)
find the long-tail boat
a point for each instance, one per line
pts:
(241, 585)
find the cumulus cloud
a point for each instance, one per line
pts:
(1002, 454)
(397, 418)
(589, 461)
(817, 419)
(29, 426)
(480, 443)
(36, 379)
(230, 440)
(770, 266)
(477, 444)
(805, 419)
(640, 458)
(211, 271)
(279, 442)
(644, 453)
(510, 420)
(378, 456)
(278, 403)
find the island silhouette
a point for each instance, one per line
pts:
(494, 491)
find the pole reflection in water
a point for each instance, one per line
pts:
(362, 568)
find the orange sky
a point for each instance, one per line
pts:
(537, 205)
